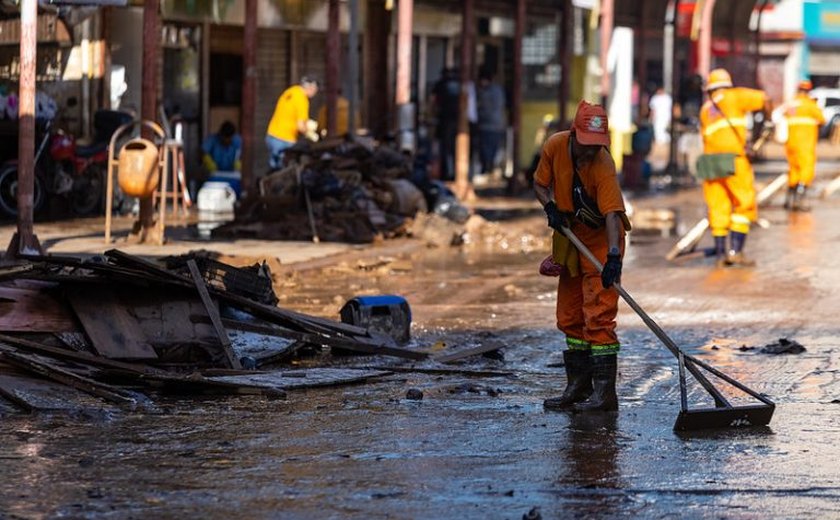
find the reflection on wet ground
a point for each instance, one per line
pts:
(366, 451)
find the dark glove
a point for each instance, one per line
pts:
(556, 218)
(612, 271)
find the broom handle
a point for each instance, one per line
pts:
(652, 325)
(720, 400)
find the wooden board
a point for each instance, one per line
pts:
(31, 310)
(35, 395)
(451, 357)
(213, 314)
(308, 378)
(113, 332)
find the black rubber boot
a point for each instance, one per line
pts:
(799, 203)
(720, 251)
(603, 398)
(578, 381)
(736, 255)
(790, 197)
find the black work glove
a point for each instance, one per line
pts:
(611, 272)
(556, 218)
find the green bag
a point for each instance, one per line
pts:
(712, 166)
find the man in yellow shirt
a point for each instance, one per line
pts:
(804, 118)
(729, 188)
(289, 120)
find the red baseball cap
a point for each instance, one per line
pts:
(591, 126)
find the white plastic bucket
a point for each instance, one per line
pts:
(217, 197)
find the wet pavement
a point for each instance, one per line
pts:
(482, 447)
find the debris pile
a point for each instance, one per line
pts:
(110, 332)
(118, 326)
(340, 191)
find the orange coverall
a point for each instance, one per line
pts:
(731, 200)
(585, 310)
(804, 119)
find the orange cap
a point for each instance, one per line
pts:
(806, 85)
(591, 126)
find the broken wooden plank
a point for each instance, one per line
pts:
(113, 332)
(451, 357)
(331, 341)
(32, 310)
(35, 395)
(72, 355)
(199, 384)
(40, 367)
(440, 371)
(308, 378)
(213, 313)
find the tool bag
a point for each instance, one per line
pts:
(711, 166)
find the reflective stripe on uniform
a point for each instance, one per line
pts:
(802, 121)
(738, 122)
(577, 344)
(606, 350)
(739, 223)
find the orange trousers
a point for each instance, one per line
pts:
(585, 310)
(731, 200)
(802, 162)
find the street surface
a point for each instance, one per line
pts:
(482, 447)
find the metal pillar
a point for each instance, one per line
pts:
(462, 142)
(24, 240)
(704, 47)
(606, 35)
(249, 94)
(333, 59)
(353, 65)
(518, 73)
(148, 102)
(402, 98)
(672, 81)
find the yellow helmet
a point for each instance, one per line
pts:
(718, 78)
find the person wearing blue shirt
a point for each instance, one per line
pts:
(222, 150)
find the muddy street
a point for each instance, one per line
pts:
(481, 446)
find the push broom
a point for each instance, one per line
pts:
(724, 414)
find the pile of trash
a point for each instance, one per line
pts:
(338, 190)
(113, 332)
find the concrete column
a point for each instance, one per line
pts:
(333, 60)
(704, 46)
(353, 66)
(149, 98)
(564, 50)
(606, 36)
(462, 142)
(24, 240)
(518, 73)
(249, 94)
(402, 97)
(376, 63)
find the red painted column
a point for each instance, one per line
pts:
(247, 120)
(462, 142)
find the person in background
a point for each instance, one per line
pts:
(222, 150)
(728, 178)
(661, 106)
(290, 119)
(577, 186)
(447, 99)
(804, 119)
(491, 120)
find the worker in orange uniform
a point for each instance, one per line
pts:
(728, 186)
(804, 118)
(290, 120)
(577, 185)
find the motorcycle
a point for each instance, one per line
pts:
(65, 170)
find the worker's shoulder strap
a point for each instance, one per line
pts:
(729, 121)
(586, 208)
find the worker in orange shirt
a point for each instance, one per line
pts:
(290, 120)
(804, 118)
(728, 183)
(577, 185)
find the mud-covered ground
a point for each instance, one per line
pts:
(482, 447)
